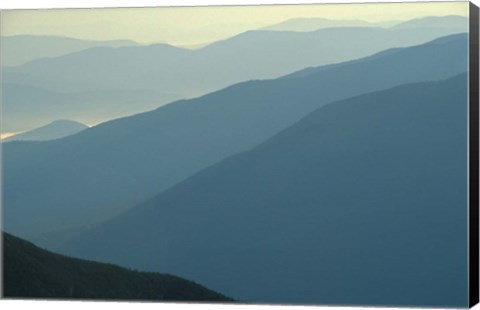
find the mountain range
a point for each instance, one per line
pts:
(160, 73)
(256, 55)
(310, 162)
(103, 171)
(360, 202)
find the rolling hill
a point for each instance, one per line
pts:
(31, 272)
(101, 172)
(360, 202)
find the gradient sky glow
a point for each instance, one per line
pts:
(197, 25)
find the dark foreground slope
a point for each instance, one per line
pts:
(361, 202)
(30, 272)
(102, 171)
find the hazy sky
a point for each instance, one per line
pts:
(195, 25)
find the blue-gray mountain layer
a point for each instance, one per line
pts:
(362, 202)
(102, 171)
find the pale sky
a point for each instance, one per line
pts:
(196, 25)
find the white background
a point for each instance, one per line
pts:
(77, 305)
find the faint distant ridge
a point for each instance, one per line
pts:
(55, 130)
(312, 24)
(196, 72)
(448, 21)
(20, 49)
(31, 272)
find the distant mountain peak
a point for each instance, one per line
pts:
(54, 130)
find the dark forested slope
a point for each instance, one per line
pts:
(30, 272)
